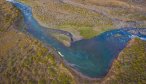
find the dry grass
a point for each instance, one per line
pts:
(55, 14)
(23, 59)
(79, 20)
(7, 15)
(130, 66)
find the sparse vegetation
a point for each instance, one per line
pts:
(61, 15)
(128, 15)
(7, 15)
(80, 19)
(24, 60)
(29, 61)
(130, 67)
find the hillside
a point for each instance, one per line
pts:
(129, 68)
(24, 59)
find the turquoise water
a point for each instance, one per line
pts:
(92, 57)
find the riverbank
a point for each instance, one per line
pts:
(129, 66)
(82, 17)
(24, 59)
(68, 55)
(29, 47)
(40, 55)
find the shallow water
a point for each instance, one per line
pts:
(92, 57)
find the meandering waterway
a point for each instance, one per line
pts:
(92, 57)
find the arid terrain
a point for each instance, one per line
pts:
(26, 60)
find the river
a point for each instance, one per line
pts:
(91, 57)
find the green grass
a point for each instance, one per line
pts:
(87, 30)
(70, 16)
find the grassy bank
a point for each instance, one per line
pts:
(129, 68)
(82, 20)
(68, 17)
(24, 60)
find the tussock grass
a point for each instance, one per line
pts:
(130, 65)
(25, 60)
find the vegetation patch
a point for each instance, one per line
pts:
(130, 67)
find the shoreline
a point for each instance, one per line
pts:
(76, 72)
(59, 58)
(111, 70)
(56, 54)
